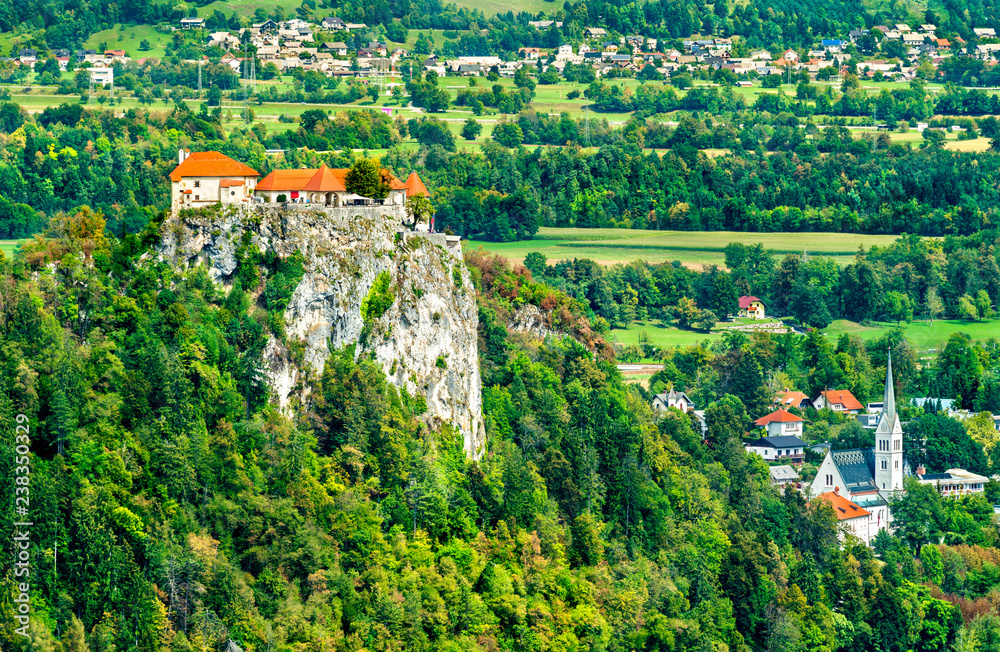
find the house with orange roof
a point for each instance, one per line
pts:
(788, 399)
(838, 400)
(751, 307)
(204, 178)
(781, 423)
(852, 518)
(328, 187)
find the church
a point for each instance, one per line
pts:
(869, 477)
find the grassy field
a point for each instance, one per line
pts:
(8, 247)
(661, 334)
(923, 335)
(693, 248)
(128, 38)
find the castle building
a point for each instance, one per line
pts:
(204, 178)
(328, 187)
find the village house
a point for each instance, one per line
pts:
(751, 307)
(781, 422)
(953, 482)
(782, 447)
(204, 178)
(783, 475)
(192, 23)
(102, 74)
(333, 23)
(984, 32)
(672, 399)
(529, 53)
(838, 400)
(595, 32)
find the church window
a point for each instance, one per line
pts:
(829, 480)
(897, 465)
(884, 466)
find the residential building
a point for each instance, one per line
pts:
(851, 518)
(595, 32)
(783, 447)
(192, 23)
(102, 74)
(838, 400)
(984, 32)
(203, 178)
(781, 422)
(333, 23)
(752, 307)
(788, 398)
(673, 399)
(783, 475)
(953, 482)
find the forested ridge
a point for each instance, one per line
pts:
(189, 512)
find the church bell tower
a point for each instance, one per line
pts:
(889, 440)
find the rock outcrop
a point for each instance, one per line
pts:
(426, 341)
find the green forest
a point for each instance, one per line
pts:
(176, 509)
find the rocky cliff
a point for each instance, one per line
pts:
(426, 341)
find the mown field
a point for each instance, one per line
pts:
(692, 248)
(8, 247)
(925, 336)
(661, 334)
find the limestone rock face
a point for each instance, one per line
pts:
(426, 341)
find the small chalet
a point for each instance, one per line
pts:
(781, 422)
(782, 475)
(852, 518)
(203, 178)
(838, 400)
(773, 449)
(788, 398)
(595, 32)
(672, 399)
(752, 307)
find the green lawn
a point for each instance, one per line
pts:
(660, 334)
(693, 248)
(128, 38)
(924, 336)
(8, 247)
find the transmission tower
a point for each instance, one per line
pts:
(586, 124)
(200, 61)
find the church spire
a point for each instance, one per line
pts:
(889, 398)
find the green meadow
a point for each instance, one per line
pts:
(921, 333)
(692, 248)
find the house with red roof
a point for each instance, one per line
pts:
(204, 178)
(781, 423)
(752, 307)
(852, 518)
(328, 186)
(788, 399)
(838, 400)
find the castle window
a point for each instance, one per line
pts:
(197, 184)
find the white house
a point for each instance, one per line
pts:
(673, 399)
(782, 475)
(102, 75)
(204, 178)
(781, 422)
(779, 448)
(953, 482)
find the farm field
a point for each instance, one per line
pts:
(923, 335)
(692, 248)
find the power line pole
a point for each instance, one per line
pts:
(200, 61)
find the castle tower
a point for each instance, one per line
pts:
(889, 440)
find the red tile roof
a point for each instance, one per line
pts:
(414, 186)
(746, 301)
(327, 180)
(842, 507)
(231, 183)
(211, 164)
(286, 180)
(779, 416)
(843, 397)
(793, 399)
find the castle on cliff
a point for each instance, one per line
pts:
(205, 178)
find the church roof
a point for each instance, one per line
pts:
(842, 507)
(857, 469)
(211, 164)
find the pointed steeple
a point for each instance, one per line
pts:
(889, 398)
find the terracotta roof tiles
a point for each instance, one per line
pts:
(211, 164)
